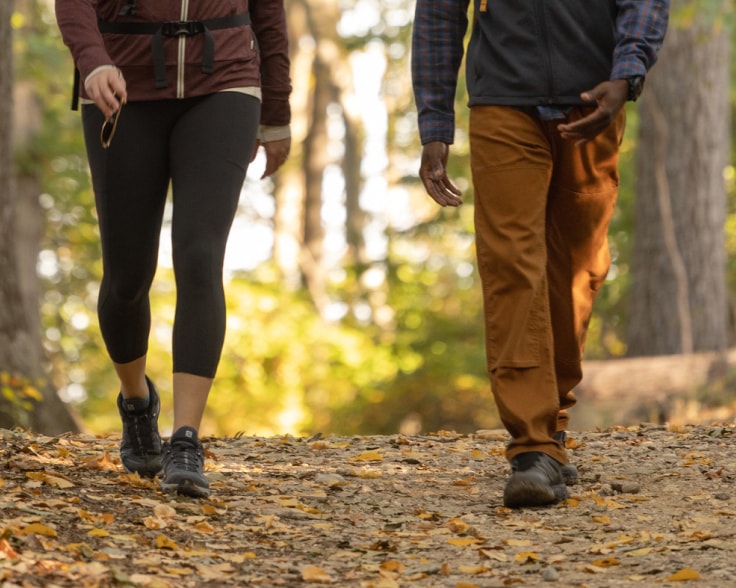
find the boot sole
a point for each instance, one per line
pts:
(520, 493)
(187, 488)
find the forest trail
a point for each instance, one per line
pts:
(655, 506)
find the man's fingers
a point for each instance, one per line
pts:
(442, 191)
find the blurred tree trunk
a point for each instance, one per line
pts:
(316, 158)
(322, 76)
(678, 291)
(27, 398)
(289, 182)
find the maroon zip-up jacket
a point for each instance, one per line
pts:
(247, 56)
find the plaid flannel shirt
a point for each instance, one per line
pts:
(437, 51)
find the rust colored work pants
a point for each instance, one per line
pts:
(542, 210)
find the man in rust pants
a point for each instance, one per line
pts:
(547, 82)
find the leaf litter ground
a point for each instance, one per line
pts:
(655, 506)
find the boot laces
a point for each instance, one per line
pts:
(185, 456)
(140, 432)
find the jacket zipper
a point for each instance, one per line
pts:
(542, 26)
(182, 52)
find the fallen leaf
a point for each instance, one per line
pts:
(517, 542)
(606, 562)
(372, 455)
(204, 527)
(38, 529)
(164, 511)
(316, 574)
(526, 557)
(391, 565)
(683, 575)
(471, 570)
(51, 479)
(154, 523)
(7, 550)
(163, 542)
(463, 541)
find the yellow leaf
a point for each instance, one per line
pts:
(33, 393)
(204, 527)
(98, 533)
(526, 557)
(466, 585)
(683, 575)
(208, 509)
(457, 525)
(640, 552)
(491, 554)
(316, 574)
(602, 519)
(178, 571)
(391, 565)
(572, 502)
(7, 550)
(364, 473)
(469, 481)
(606, 562)
(477, 454)
(80, 549)
(374, 455)
(59, 482)
(699, 536)
(517, 542)
(164, 511)
(163, 542)
(154, 523)
(38, 529)
(102, 462)
(463, 541)
(52, 480)
(472, 570)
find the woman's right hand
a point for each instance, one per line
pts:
(107, 88)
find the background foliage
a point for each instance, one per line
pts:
(414, 363)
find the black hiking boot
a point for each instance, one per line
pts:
(536, 480)
(183, 463)
(140, 449)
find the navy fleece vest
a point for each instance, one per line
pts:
(532, 52)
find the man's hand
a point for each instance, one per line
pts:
(276, 153)
(610, 97)
(107, 89)
(433, 172)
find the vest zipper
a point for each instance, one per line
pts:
(546, 58)
(181, 58)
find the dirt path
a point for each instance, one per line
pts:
(654, 507)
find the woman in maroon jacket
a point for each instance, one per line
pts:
(181, 93)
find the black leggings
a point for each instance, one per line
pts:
(202, 146)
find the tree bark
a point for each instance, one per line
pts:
(678, 289)
(21, 352)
